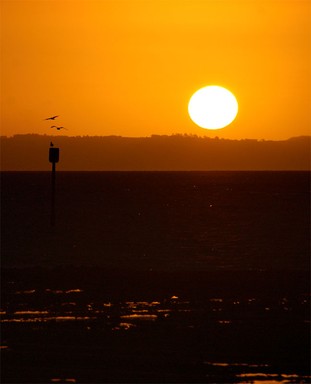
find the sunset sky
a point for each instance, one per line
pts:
(129, 67)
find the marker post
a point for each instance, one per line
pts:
(53, 158)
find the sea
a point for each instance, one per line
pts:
(155, 277)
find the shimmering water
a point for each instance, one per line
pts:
(158, 220)
(57, 331)
(156, 277)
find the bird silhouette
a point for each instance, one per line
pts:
(58, 128)
(51, 144)
(52, 117)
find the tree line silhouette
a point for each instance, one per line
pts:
(155, 153)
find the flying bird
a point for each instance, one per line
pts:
(58, 128)
(52, 117)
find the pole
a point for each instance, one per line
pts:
(53, 158)
(53, 194)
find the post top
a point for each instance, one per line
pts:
(53, 155)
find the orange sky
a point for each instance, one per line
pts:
(129, 67)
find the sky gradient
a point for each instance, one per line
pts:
(129, 67)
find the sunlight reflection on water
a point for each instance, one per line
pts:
(215, 364)
(219, 314)
(259, 377)
(139, 317)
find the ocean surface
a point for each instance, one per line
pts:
(150, 277)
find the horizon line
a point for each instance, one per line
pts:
(184, 135)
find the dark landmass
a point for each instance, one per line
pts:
(155, 153)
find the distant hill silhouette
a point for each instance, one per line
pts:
(156, 153)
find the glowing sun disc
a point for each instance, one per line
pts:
(212, 107)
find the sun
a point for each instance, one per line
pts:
(212, 107)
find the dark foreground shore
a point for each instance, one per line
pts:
(93, 325)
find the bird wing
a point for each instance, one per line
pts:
(52, 117)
